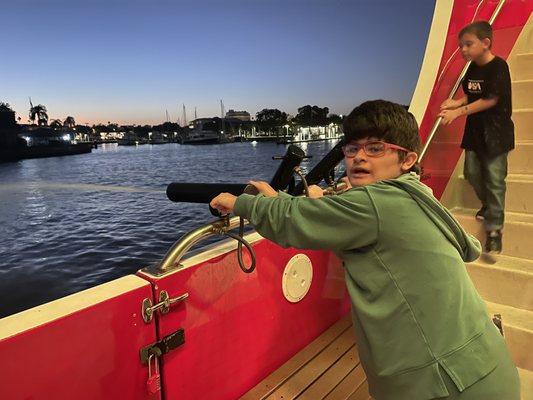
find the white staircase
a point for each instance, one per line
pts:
(506, 281)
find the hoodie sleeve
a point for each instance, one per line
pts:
(341, 222)
(473, 248)
(467, 245)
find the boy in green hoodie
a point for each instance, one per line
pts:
(422, 330)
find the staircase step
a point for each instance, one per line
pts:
(522, 68)
(526, 383)
(521, 158)
(522, 90)
(503, 280)
(518, 332)
(517, 232)
(523, 123)
(518, 198)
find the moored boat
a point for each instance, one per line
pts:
(130, 138)
(204, 131)
(46, 142)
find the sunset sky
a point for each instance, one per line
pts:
(130, 61)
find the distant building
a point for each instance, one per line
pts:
(242, 115)
(10, 144)
(7, 120)
(46, 136)
(331, 131)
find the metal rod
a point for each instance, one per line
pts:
(178, 250)
(435, 127)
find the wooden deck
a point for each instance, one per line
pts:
(327, 368)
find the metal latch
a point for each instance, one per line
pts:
(168, 343)
(163, 306)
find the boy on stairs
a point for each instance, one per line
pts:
(489, 130)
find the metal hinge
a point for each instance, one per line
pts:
(163, 306)
(168, 343)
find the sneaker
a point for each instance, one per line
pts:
(494, 242)
(480, 215)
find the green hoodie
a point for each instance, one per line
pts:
(413, 304)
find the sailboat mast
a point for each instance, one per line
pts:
(221, 116)
(31, 106)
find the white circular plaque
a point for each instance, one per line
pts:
(297, 278)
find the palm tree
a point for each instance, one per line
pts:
(56, 124)
(39, 111)
(5, 107)
(69, 122)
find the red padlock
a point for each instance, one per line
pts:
(153, 383)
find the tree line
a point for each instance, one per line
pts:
(267, 120)
(272, 119)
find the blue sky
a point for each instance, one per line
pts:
(129, 61)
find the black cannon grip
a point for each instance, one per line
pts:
(201, 192)
(321, 170)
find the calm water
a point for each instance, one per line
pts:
(69, 223)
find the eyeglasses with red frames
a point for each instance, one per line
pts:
(374, 148)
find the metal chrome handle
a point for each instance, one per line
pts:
(163, 306)
(178, 250)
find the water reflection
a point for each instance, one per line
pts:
(69, 223)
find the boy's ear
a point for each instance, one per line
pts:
(486, 42)
(409, 160)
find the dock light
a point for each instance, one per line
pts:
(27, 139)
(66, 138)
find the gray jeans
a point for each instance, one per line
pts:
(487, 177)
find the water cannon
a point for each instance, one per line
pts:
(282, 179)
(181, 192)
(323, 170)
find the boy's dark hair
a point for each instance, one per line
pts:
(481, 29)
(385, 121)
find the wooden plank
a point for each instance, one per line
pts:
(348, 385)
(278, 377)
(303, 378)
(333, 376)
(361, 393)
